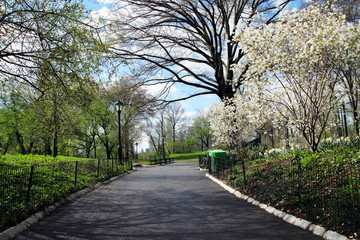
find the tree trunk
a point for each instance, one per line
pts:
(356, 121)
(94, 150)
(55, 147)
(345, 121)
(7, 144)
(107, 147)
(47, 146)
(56, 130)
(20, 140)
(340, 123)
(31, 145)
(202, 145)
(154, 143)
(287, 138)
(173, 140)
(88, 150)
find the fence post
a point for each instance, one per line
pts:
(30, 184)
(76, 170)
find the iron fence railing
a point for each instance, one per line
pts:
(25, 189)
(323, 192)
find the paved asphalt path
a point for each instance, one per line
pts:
(174, 201)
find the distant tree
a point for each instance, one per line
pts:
(156, 131)
(202, 131)
(174, 115)
(190, 144)
(104, 113)
(151, 133)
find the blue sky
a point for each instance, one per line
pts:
(93, 5)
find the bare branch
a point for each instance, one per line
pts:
(191, 41)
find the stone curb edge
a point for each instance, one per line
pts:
(24, 225)
(304, 224)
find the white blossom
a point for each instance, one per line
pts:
(293, 75)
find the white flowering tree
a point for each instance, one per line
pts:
(295, 65)
(239, 120)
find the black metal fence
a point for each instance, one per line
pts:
(25, 189)
(321, 192)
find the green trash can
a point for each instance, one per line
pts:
(220, 163)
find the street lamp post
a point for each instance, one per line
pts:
(137, 152)
(119, 106)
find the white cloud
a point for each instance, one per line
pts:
(107, 1)
(103, 13)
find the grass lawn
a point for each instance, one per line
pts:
(186, 156)
(30, 159)
(177, 157)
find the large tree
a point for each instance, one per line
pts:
(188, 42)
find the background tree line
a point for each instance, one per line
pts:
(170, 131)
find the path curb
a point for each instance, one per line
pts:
(302, 223)
(24, 225)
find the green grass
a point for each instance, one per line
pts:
(30, 159)
(142, 160)
(186, 156)
(177, 157)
